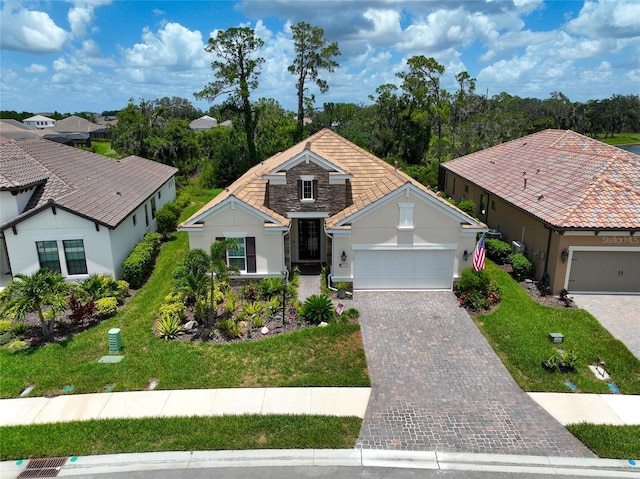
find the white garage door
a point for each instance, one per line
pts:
(403, 269)
(605, 271)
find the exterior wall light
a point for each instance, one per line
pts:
(465, 255)
(564, 255)
(344, 256)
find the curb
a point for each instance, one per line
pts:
(120, 463)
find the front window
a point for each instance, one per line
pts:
(237, 256)
(48, 255)
(75, 256)
(153, 207)
(307, 189)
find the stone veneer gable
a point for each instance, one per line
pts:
(331, 198)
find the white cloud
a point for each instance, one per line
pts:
(172, 48)
(82, 15)
(617, 19)
(36, 68)
(29, 31)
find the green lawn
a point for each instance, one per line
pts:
(331, 356)
(622, 139)
(178, 434)
(615, 442)
(518, 330)
(103, 148)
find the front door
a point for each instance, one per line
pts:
(309, 239)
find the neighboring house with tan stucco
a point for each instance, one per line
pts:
(570, 202)
(325, 201)
(74, 211)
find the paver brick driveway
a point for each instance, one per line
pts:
(437, 385)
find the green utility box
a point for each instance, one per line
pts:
(115, 340)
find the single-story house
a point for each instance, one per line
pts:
(74, 211)
(76, 125)
(13, 129)
(569, 202)
(325, 201)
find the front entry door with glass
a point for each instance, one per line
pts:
(309, 239)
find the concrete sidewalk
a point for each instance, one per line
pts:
(189, 402)
(566, 408)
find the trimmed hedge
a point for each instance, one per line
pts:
(137, 266)
(498, 251)
(522, 267)
(106, 307)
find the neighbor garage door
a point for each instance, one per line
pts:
(403, 269)
(605, 271)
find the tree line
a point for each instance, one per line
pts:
(416, 123)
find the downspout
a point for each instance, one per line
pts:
(284, 259)
(331, 288)
(546, 259)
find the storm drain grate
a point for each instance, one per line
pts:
(48, 467)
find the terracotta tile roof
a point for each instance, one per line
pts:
(372, 178)
(99, 188)
(561, 177)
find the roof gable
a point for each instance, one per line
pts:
(371, 178)
(93, 186)
(561, 177)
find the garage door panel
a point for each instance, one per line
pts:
(406, 269)
(605, 271)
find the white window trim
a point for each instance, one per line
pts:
(310, 179)
(405, 216)
(243, 238)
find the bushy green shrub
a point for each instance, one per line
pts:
(522, 267)
(498, 251)
(167, 218)
(103, 285)
(19, 328)
(137, 266)
(168, 327)
(317, 309)
(122, 288)
(174, 310)
(476, 290)
(183, 200)
(106, 307)
(5, 325)
(17, 345)
(270, 287)
(469, 207)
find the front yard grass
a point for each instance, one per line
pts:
(519, 329)
(622, 139)
(614, 442)
(331, 356)
(178, 434)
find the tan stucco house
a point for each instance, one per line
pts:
(325, 201)
(571, 203)
(73, 211)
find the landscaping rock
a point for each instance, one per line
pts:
(264, 330)
(190, 325)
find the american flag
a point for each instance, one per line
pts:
(478, 255)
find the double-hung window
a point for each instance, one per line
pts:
(237, 256)
(75, 256)
(48, 255)
(307, 188)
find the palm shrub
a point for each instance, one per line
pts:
(230, 302)
(230, 328)
(44, 291)
(317, 309)
(498, 251)
(522, 267)
(270, 287)
(476, 290)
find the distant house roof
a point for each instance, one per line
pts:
(76, 124)
(370, 177)
(101, 189)
(39, 118)
(565, 179)
(203, 123)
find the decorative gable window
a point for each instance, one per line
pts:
(405, 220)
(307, 188)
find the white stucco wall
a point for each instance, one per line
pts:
(238, 221)
(379, 226)
(45, 226)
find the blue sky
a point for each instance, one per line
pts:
(94, 55)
